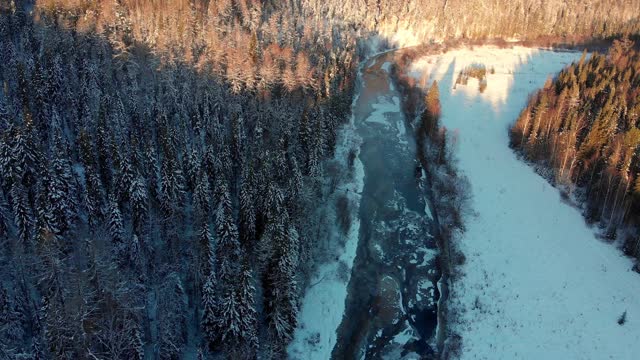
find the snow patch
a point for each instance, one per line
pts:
(504, 62)
(381, 107)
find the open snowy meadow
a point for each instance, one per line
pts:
(537, 282)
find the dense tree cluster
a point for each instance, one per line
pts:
(411, 21)
(160, 169)
(584, 129)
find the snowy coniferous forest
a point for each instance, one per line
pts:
(164, 176)
(149, 204)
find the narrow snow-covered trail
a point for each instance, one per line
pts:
(537, 283)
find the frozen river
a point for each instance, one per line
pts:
(391, 309)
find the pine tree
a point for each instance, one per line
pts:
(228, 321)
(280, 161)
(431, 115)
(7, 169)
(209, 306)
(228, 315)
(57, 331)
(25, 157)
(320, 142)
(152, 172)
(126, 177)
(304, 133)
(171, 188)
(139, 203)
(192, 169)
(275, 229)
(103, 141)
(281, 304)
(46, 219)
(248, 314)
(93, 197)
(22, 213)
(206, 255)
(247, 212)
(201, 198)
(295, 195)
(116, 227)
(37, 351)
(228, 247)
(237, 141)
(4, 218)
(137, 345)
(61, 195)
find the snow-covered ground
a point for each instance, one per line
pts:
(324, 301)
(537, 282)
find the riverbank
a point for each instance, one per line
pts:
(447, 190)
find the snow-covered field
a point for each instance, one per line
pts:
(537, 282)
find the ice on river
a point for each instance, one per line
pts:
(384, 106)
(537, 282)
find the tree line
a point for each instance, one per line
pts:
(418, 21)
(583, 130)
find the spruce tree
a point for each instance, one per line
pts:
(4, 217)
(209, 306)
(93, 197)
(137, 345)
(202, 198)
(23, 216)
(126, 177)
(247, 212)
(248, 314)
(228, 246)
(116, 227)
(192, 169)
(139, 203)
(62, 195)
(206, 255)
(228, 321)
